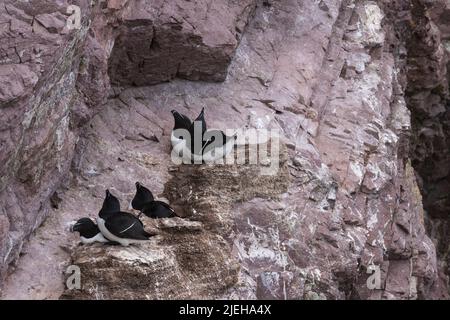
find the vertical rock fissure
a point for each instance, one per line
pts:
(427, 98)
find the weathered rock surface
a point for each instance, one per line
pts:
(196, 260)
(39, 62)
(357, 90)
(187, 39)
(54, 79)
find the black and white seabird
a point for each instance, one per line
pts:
(194, 152)
(218, 145)
(144, 202)
(89, 231)
(118, 226)
(183, 142)
(181, 122)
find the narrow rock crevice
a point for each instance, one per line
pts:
(427, 96)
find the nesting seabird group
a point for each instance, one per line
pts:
(192, 141)
(119, 227)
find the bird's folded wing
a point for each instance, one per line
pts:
(165, 205)
(125, 225)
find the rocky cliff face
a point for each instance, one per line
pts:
(40, 62)
(427, 94)
(358, 91)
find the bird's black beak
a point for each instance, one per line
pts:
(107, 193)
(138, 185)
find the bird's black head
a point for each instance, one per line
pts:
(86, 227)
(180, 121)
(201, 116)
(110, 205)
(142, 196)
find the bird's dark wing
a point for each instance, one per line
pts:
(159, 209)
(165, 205)
(126, 225)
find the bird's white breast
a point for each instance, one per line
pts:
(175, 140)
(109, 235)
(98, 238)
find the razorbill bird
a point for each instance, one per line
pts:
(144, 202)
(193, 152)
(185, 132)
(218, 145)
(118, 226)
(89, 232)
(181, 122)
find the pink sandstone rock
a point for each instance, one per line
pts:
(358, 91)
